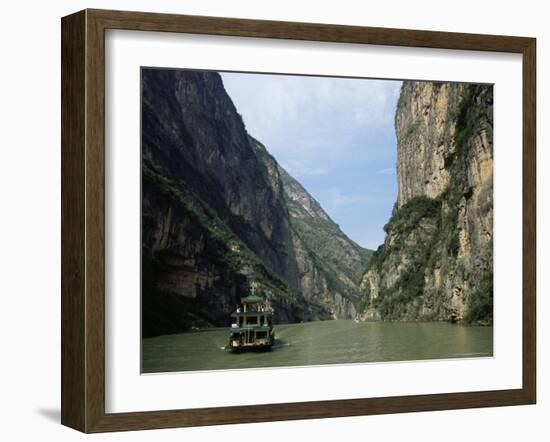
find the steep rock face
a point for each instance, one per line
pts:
(193, 135)
(437, 258)
(330, 265)
(324, 252)
(216, 214)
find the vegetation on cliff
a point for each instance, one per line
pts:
(436, 261)
(219, 212)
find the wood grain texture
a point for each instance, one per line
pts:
(95, 222)
(144, 21)
(83, 220)
(73, 129)
(529, 220)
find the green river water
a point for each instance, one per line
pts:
(316, 343)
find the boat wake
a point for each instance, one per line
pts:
(277, 344)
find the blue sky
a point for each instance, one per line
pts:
(334, 135)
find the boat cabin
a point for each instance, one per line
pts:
(252, 324)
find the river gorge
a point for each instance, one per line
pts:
(220, 214)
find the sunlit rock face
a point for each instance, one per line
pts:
(437, 258)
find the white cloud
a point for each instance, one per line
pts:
(279, 108)
(336, 136)
(386, 171)
(298, 169)
(337, 198)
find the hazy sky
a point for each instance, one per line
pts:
(335, 136)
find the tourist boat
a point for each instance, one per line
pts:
(252, 325)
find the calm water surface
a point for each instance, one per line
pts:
(315, 343)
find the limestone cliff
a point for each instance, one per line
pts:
(437, 258)
(218, 212)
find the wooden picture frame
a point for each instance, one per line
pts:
(83, 220)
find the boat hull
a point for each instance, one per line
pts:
(251, 338)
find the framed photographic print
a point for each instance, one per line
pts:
(269, 220)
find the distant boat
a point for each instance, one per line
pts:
(252, 325)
